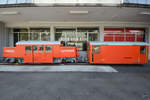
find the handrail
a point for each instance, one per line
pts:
(134, 36)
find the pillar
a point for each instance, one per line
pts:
(52, 33)
(3, 37)
(101, 36)
(148, 39)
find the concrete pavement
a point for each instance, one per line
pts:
(131, 82)
(57, 68)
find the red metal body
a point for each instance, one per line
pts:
(39, 52)
(117, 53)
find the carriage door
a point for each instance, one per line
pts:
(35, 54)
(42, 54)
(28, 57)
(96, 54)
(38, 52)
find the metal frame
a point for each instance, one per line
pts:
(125, 34)
(31, 34)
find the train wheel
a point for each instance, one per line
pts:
(20, 61)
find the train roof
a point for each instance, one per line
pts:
(118, 43)
(37, 42)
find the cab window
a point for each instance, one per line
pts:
(96, 49)
(41, 49)
(48, 48)
(142, 50)
(35, 49)
(28, 49)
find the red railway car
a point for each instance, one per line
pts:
(40, 52)
(117, 53)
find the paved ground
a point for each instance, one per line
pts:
(130, 82)
(57, 68)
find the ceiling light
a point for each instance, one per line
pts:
(145, 13)
(79, 12)
(9, 13)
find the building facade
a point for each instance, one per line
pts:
(74, 21)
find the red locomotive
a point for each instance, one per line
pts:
(40, 52)
(97, 52)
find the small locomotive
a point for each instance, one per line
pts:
(40, 52)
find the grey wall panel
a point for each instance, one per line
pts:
(3, 37)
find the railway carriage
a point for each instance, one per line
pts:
(118, 53)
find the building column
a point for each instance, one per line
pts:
(11, 37)
(149, 40)
(101, 35)
(3, 37)
(52, 33)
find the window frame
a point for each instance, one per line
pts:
(94, 51)
(142, 49)
(30, 51)
(34, 49)
(47, 51)
(41, 50)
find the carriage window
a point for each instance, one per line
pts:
(34, 49)
(28, 49)
(41, 48)
(142, 50)
(96, 49)
(48, 49)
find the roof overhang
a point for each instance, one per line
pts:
(82, 14)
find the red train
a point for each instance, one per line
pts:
(97, 52)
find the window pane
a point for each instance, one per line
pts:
(48, 49)
(96, 49)
(82, 36)
(87, 29)
(93, 37)
(35, 36)
(28, 49)
(142, 50)
(40, 34)
(34, 49)
(45, 36)
(41, 48)
(59, 36)
(23, 36)
(62, 34)
(40, 30)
